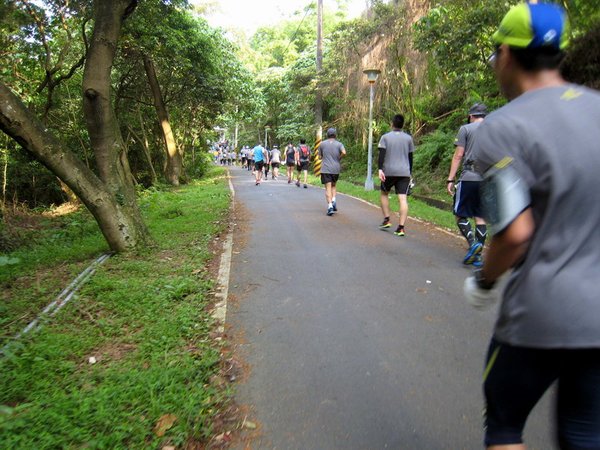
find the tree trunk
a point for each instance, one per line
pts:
(20, 124)
(4, 174)
(144, 141)
(174, 160)
(103, 128)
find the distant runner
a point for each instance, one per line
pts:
(275, 161)
(331, 152)
(259, 161)
(303, 161)
(395, 168)
(290, 161)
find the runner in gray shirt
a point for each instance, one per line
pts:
(540, 158)
(466, 192)
(395, 168)
(275, 161)
(331, 152)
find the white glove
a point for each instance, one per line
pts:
(477, 297)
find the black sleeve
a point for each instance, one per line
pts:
(410, 162)
(381, 158)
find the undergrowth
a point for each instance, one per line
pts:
(128, 363)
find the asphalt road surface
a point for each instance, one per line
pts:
(352, 337)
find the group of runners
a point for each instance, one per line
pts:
(297, 158)
(261, 160)
(530, 169)
(224, 154)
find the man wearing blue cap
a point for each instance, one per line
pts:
(540, 160)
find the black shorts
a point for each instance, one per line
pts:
(258, 165)
(303, 166)
(329, 178)
(516, 378)
(290, 163)
(275, 165)
(467, 202)
(399, 183)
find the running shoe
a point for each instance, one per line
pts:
(298, 183)
(257, 183)
(385, 224)
(305, 186)
(473, 252)
(330, 211)
(289, 181)
(478, 261)
(399, 231)
(334, 206)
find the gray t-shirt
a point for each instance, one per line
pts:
(275, 155)
(552, 299)
(397, 145)
(464, 139)
(330, 152)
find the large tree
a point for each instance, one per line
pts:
(110, 196)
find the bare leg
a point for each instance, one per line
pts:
(403, 208)
(305, 176)
(333, 191)
(385, 204)
(328, 193)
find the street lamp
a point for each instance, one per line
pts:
(371, 78)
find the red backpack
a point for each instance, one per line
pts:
(305, 151)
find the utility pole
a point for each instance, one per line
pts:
(319, 94)
(235, 138)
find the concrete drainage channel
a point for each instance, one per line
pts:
(63, 298)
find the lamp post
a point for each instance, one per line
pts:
(371, 78)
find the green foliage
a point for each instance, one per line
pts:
(433, 150)
(456, 37)
(145, 318)
(582, 64)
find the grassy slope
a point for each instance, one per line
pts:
(142, 316)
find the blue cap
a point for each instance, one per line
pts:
(534, 25)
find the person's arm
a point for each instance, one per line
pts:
(506, 250)
(380, 161)
(454, 165)
(343, 151)
(508, 247)
(410, 162)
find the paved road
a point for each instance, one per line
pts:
(353, 338)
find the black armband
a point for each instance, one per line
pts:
(381, 158)
(482, 283)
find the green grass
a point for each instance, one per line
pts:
(145, 318)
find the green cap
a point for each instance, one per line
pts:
(534, 25)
